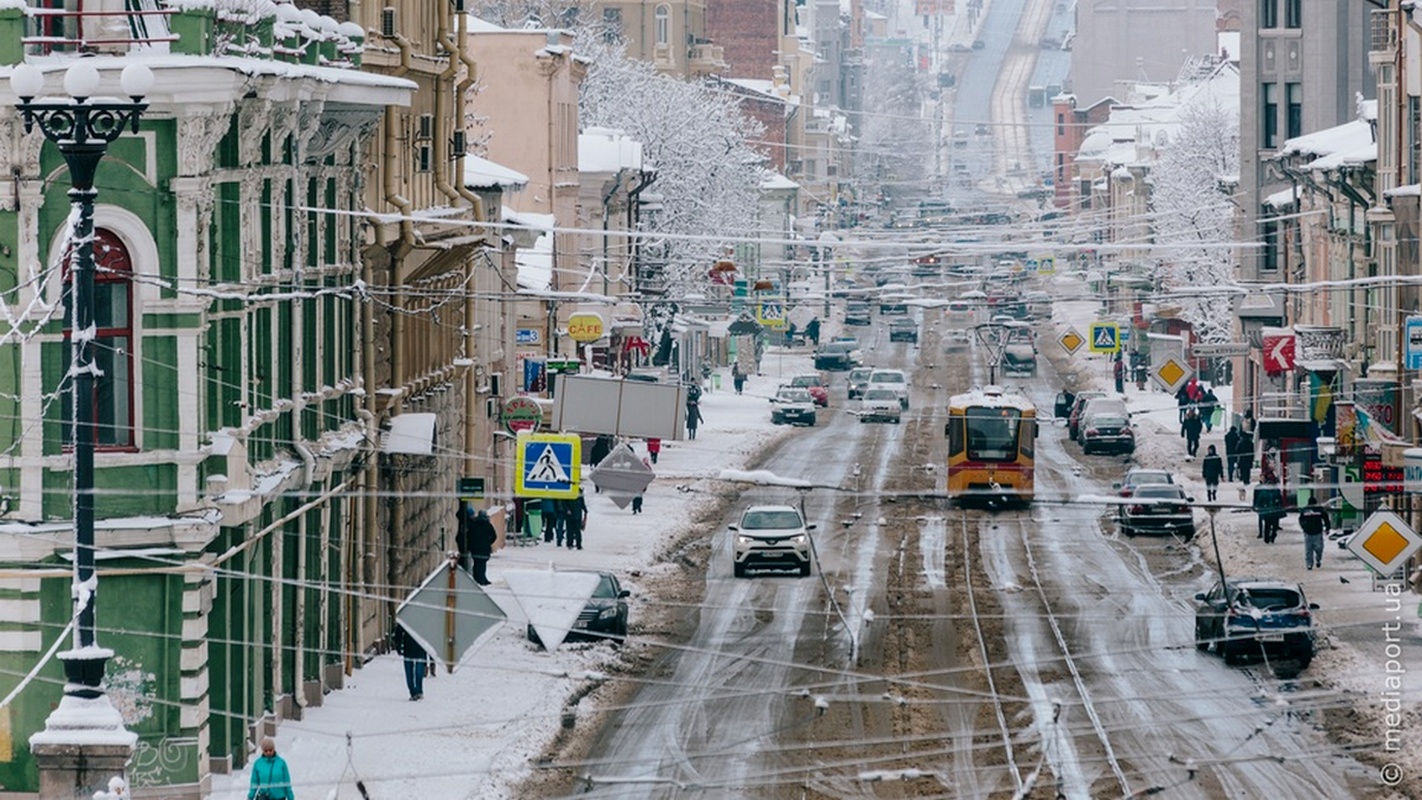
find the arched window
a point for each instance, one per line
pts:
(663, 20)
(113, 342)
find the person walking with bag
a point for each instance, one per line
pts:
(1314, 521)
(271, 780)
(1212, 469)
(738, 378)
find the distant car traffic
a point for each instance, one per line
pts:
(792, 406)
(893, 379)
(903, 330)
(815, 385)
(892, 306)
(1242, 617)
(604, 616)
(858, 314)
(1074, 416)
(771, 536)
(858, 380)
(836, 356)
(880, 405)
(1158, 508)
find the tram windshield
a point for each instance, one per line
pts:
(992, 433)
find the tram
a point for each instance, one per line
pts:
(992, 436)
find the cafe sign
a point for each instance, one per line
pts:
(584, 327)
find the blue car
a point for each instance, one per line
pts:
(1251, 617)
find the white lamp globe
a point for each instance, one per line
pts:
(136, 80)
(26, 80)
(81, 80)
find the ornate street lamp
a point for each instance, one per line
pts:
(82, 128)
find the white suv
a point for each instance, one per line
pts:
(894, 379)
(772, 536)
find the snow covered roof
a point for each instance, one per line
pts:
(1329, 141)
(477, 25)
(1410, 190)
(481, 173)
(1284, 198)
(1352, 157)
(764, 88)
(1132, 133)
(773, 180)
(535, 264)
(608, 150)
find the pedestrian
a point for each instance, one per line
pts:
(463, 535)
(1192, 432)
(790, 335)
(1314, 521)
(1209, 404)
(1211, 469)
(1269, 505)
(654, 448)
(1231, 443)
(812, 331)
(1182, 403)
(1247, 422)
(1246, 455)
(1119, 371)
(1140, 370)
(737, 377)
(637, 504)
(548, 512)
(575, 518)
(481, 545)
(693, 419)
(415, 661)
(271, 780)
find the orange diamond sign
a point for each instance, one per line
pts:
(1071, 341)
(1384, 542)
(1171, 374)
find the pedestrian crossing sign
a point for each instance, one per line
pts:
(548, 465)
(1105, 337)
(771, 314)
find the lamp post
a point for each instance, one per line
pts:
(82, 127)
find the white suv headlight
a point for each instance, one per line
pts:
(744, 540)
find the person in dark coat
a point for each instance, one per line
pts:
(812, 331)
(738, 378)
(1231, 443)
(1269, 505)
(1182, 403)
(1314, 521)
(693, 419)
(271, 780)
(1247, 424)
(1211, 469)
(1119, 371)
(415, 659)
(464, 535)
(1246, 454)
(575, 518)
(548, 511)
(481, 546)
(1208, 403)
(1191, 431)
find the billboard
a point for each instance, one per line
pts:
(592, 404)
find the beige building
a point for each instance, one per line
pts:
(670, 35)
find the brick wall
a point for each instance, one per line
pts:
(748, 32)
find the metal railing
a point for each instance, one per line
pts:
(62, 30)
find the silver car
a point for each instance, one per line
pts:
(880, 405)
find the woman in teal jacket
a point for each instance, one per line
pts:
(270, 778)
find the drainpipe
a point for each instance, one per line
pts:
(298, 644)
(444, 86)
(461, 91)
(606, 201)
(632, 218)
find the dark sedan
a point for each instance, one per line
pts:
(1158, 508)
(604, 616)
(835, 356)
(903, 330)
(858, 314)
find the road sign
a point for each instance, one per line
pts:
(622, 475)
(551, 600)
(1105, 337)
(771, 314)
(548, 465)
(1046, 265)
(528, 336)
(470, 489)
(1414, 342)
(1171, 374)
(1384, 542)
(1278, 352)
(449, 614)
(1221, 350)
(1071, 341)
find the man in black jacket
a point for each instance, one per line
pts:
(1314, 521)
(1211, 469)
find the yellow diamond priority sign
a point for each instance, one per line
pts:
(1384, 542)
(1071, 341)
(1171, 374)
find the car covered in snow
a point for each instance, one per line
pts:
(1242, 617)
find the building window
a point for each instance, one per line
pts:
(1268, 13)
(113, 343)
(1293, 13)
(612, 25)
(1269, 241)
(663, 20)
(1270, 133)
(1293, 97)
(1061, 124)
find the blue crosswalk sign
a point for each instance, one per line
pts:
(547, 465)
(1105, 337)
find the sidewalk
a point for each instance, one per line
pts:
(478, 731)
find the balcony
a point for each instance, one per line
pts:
(1383, 32)
(706, 59)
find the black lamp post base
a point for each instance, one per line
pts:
(84, 671)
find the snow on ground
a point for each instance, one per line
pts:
(1357, 655)
(476, 732)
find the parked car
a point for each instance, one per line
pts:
(858, 314)
(858, 380)
(903, 330)
(836, 356)
(1074, 418)
(894, 379)
(774, 536)
(1240, 617)
(815, 385)
(880, 405)
(1140, 476)
(1019, 359)
(1107, 431)
(892, 305)
(604, 616)
(792, 406)
(1158, 508)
